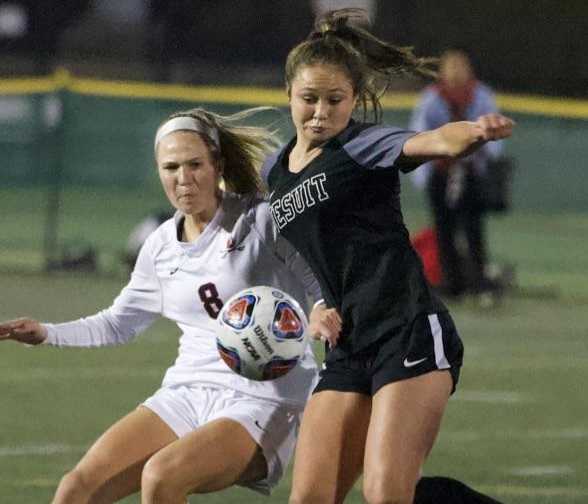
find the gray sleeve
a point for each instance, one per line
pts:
(299, 267)
(135, 308)
(380, 147)
(264, 226)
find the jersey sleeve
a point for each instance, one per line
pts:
(263, 225)
(134, 309)
(379, 147)
(299, 267)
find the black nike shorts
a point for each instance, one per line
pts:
(429, 343)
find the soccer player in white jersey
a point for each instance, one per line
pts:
(206, 428)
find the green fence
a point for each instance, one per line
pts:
(78, 169)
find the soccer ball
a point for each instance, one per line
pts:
(261, 333)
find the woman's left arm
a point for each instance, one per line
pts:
(457, 139)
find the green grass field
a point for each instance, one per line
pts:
(517, 427)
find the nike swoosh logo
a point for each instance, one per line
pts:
(408, 363)
(259, 426)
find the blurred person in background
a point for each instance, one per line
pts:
(34, 28)
(455, 187)
(206, 428)
(140, 233)
(393, 355)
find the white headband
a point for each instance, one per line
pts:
(184, 123)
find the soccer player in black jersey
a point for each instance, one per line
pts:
(393, 354)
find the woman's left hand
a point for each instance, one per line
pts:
(325, 324)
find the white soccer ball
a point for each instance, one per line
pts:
(262, 333)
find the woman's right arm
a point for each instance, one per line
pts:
(135, 308)
(457, 139)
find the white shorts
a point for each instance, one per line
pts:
(273, 427)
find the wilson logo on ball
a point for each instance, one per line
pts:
(287, 324)
(261, 333)
(238, 313)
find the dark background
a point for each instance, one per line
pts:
(522, 46)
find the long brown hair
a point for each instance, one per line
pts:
(369, 62)
(242, 149)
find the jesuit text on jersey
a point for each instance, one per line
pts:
(296, 201)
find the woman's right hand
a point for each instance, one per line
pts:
(24, 330)
(325, 324)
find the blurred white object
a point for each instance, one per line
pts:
(13, 20)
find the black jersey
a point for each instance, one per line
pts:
(342, 212)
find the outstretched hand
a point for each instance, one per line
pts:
(495, 126)
(325, 324)
(23, 330)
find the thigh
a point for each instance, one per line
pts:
(405, 420)
(330, 448)
(116, 459)
(214, 456)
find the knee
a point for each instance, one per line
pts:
(313, 496)
(75, 486)
(297, 497)
(396, 497)
(158, 484)
(388, 491)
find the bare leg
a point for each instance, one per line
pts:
(329, 453)
(215, 456)
(111, 469)
(406, 417)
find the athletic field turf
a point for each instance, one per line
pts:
(517, 427)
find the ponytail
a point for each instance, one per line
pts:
(370, 62)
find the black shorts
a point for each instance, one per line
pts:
(429, 343)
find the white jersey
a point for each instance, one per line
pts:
(188, 282)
